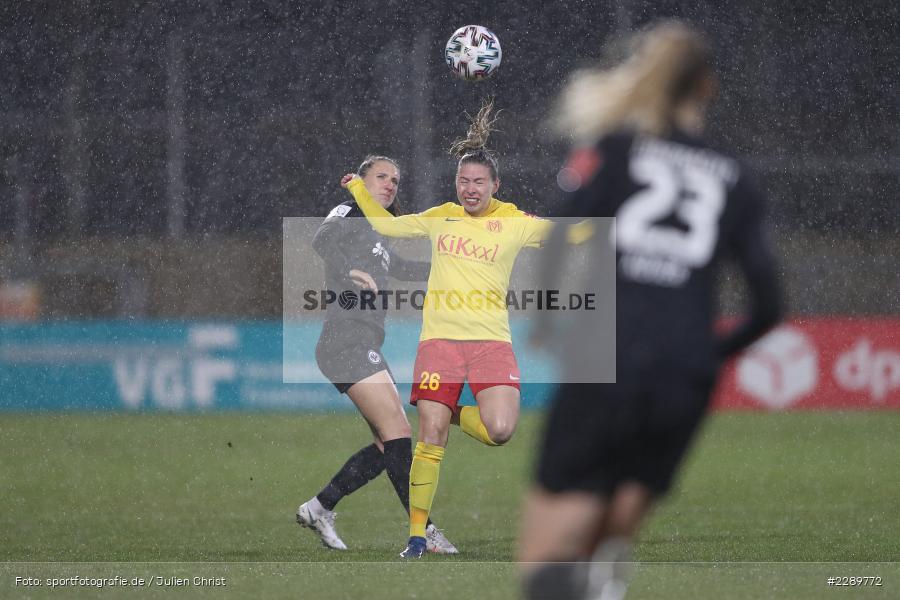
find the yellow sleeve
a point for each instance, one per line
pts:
(538, 231)
(580, 232)
(404, 226)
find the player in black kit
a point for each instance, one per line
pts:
(611, 450)
(358, 261)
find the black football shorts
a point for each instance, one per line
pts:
(598, 436)
(348, 353)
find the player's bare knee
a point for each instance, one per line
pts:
(433, 433)
(501, 437)
(392, 429)
(499, 431)
(404, 431)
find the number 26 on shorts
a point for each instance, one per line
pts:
(430, 381)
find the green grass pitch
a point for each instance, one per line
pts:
(767, 506)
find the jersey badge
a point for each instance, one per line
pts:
(341, 210)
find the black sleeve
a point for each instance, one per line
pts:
(552, 254)
(409, 270)
(585, 180)
(328, 244)
(756, 260)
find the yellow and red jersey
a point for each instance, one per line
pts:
(471, 262)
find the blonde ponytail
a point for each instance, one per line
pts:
(473, 148)
(643, 93)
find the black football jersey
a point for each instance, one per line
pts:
(679, 207)
(346, 241)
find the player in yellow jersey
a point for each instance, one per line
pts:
(465, 325)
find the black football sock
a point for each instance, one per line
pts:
(360, 469)
(397, 462)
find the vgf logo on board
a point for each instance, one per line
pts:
(179, 379)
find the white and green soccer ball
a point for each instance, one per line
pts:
(473, 53)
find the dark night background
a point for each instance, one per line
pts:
(139, 137)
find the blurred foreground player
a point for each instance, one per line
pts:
(349, 352)
(611, 450)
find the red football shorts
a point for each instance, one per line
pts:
(443, 366)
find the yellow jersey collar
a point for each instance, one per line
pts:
(491, 209)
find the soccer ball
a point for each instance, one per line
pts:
(473, 53)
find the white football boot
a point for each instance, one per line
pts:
(322, 522)
(436, 541)
(610, 569)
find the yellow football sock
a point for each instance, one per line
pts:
(470, 423)
(423, 481)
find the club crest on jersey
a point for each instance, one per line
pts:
(374, 357)
(379, 250)
(494, 226)
(341, 210)
(466, 248)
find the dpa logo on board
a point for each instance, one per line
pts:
(779, 369)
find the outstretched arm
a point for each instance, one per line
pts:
(549, 270)
(382, 221)
(582, 200)
(539, 232)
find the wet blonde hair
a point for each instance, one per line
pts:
(645, 92)
(473, 148)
